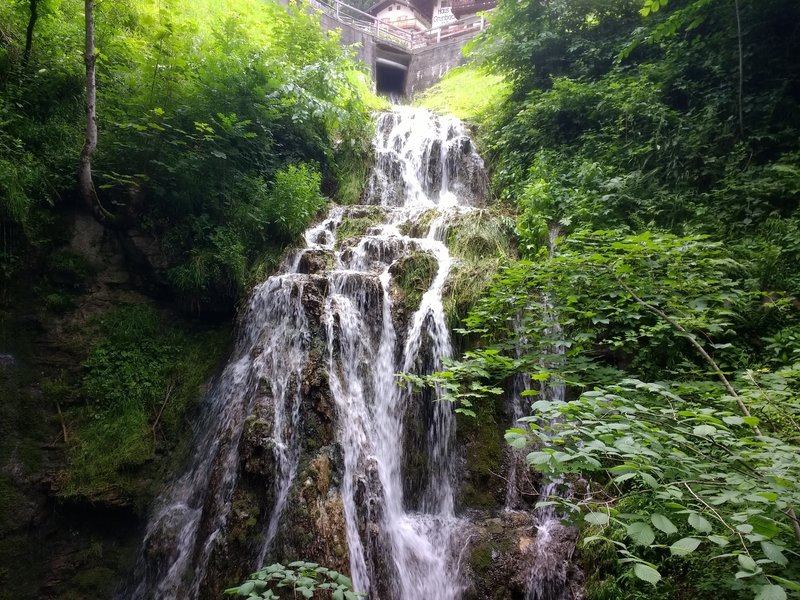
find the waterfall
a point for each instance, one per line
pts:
(403, 544)
(550, 554)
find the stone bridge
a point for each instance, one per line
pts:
(402, 62)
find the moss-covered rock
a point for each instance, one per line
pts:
(481, 234)
(317, 260)
(480, 241)
(497, 559)
(314, 520)
(481, 438)
(418, 226)
(357, 221)
(412, 276)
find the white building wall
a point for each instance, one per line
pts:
(398, 14)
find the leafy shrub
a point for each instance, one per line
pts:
(301, 578)
(141, 376)
(294, 200)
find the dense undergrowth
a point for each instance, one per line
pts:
(220, 128)
(651, 152)
(140, 378)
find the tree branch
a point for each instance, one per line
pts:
(34, 15)
(706, 356)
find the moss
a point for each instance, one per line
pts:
(467, 282)
(483, 441)
(141, 377)
(481, 241)
(356, 223)
(481, 558)
(95, 580)
(481, 234)
(246, 509)
(412, 275)
(419, 225)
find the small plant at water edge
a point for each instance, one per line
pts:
(304, 579)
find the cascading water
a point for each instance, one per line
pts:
(551, 552)
(192, 513)
(415, 170)
(401, 545)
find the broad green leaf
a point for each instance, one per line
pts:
(697, 521)
(649, 480)
(704, 430)
(641, 533)
(596, 518)
(774, 553)
(516, 440)
(747, 563)
(792, 585)
(771, 592)
(684, 546)
(646, 573)
(718, 540)
(663, 523)
(538, 458)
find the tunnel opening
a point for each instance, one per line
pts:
(390, 79)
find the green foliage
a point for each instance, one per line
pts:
(650, 148)
(294, 200)
(303, 579)
(466, 92)
(702, 465)
(210, 120)
(643, 304)
(141, 377)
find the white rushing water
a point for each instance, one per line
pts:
(403, 544)
(193, 511)
(421, 543)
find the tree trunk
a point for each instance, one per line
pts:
(34, 14)
(740, 94)
(85, 174)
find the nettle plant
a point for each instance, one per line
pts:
(681, 455)
(299, 579)
(709, 479)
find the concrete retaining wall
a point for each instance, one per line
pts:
(429, 65)
(350, 35)
(425, 66)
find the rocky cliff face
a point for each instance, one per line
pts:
(58, 540)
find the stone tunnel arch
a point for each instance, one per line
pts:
(391, 70)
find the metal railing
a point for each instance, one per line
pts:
(403, 38)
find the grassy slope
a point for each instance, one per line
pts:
(466, 92)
